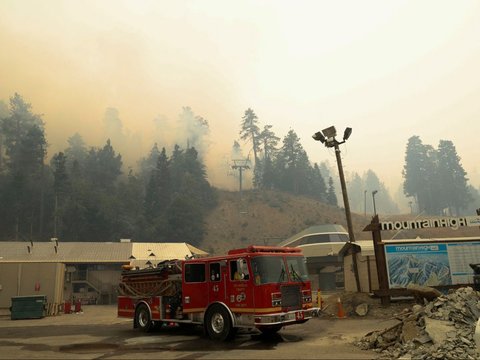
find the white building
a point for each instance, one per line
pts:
(321, 245)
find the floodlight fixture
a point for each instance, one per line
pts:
(318, 136)
(330, 132)
(347, 133)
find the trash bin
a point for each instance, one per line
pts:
(28, 307)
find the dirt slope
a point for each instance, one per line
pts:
(269, 217)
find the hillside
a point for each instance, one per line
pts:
(269, 217)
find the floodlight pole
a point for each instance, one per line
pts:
(332, 142)
(344, 192)
(348, 215)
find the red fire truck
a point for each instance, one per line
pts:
(263, 287)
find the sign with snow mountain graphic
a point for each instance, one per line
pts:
(431, 264)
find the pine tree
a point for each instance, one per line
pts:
(185, 216)
(264, 178)
(103, 167)
(319, 186)
(76, 152)
(289, 163)
(177, 166)
(61, 189)
(3, 115)
(61, 179)
(331, 196)
(419, 172)
(131, 220)
(452, 178)
(356, 193)
(24, 147)
(148, 163)
(250, 131)
(158, 190)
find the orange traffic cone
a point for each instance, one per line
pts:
(340, 312)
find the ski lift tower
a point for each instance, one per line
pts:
(241, 165)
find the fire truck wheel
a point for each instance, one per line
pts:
(218, 324)
(142, 317)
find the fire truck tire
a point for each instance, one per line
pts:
(218, 324)
(142, 318)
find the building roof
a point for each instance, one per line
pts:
(314, 230)
(94, 252)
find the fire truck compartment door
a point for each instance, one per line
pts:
(195, 287)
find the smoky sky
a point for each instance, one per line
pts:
(128, 70)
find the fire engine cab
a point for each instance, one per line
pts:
(263, 287)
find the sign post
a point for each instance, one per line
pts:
(380, 260)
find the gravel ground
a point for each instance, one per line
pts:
(98, 333)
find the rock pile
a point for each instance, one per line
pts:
(440, 329)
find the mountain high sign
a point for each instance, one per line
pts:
(451, 222)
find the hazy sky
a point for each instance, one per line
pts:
(388, 69)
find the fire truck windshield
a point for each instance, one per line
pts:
(268, 269)
(297, 268)
(272, 269)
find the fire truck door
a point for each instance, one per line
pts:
(216, 284)
(240, 297)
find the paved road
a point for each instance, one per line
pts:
(99, 334)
